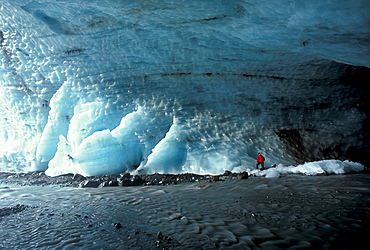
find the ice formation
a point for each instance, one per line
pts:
(312, 168)
(181, 86)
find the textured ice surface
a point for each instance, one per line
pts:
(181, 86)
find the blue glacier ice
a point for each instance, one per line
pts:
(176, 86)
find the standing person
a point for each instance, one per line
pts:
(260, 160)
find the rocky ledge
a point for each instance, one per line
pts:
(124, 179)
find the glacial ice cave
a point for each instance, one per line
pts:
(182, 86)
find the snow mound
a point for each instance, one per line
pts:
(313, 168)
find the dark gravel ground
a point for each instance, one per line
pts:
(125, 179)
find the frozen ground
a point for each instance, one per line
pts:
(295, 211)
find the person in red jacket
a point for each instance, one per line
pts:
(260, 160)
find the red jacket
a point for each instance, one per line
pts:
(260, 158)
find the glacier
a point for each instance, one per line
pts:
(176, 86)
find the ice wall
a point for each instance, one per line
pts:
(181, 86)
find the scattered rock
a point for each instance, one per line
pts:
(165, 242)
(227, 173)
(110, 183)
(123, 182)
(103, 184)
(243, 175)
(137, 181)
(89, 184)
(113, 183)
(124, 179)
(78, 177)
(160, 235)
(126, 175)
(158, 243)
(128, 180)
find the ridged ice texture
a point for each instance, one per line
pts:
(181, 86)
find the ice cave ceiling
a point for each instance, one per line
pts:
(202, 86)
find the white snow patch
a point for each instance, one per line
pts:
(313, 168)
